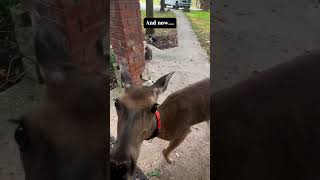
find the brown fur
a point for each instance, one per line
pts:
(268, 127)
(66, 132)
(181, 110)
(136, 122)
(64, 136)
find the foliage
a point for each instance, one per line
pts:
(154, 173)
(112, 61)
(112, 57)
(5, 5)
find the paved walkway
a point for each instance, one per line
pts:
(191, 64)
(13, 102)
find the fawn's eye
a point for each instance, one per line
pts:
(116, 104)
(154, 108)
(21, 137)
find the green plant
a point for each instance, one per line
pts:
(154, 173)
(112, 57)
(112, 61)
(5, 5)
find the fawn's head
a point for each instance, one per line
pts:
(64, 136)
(136, 122)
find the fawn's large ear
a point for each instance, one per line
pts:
(50, 44)
(162, 83)
(125, 77)
(51, 50)
(18, 120)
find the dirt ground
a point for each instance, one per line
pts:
(190, 63)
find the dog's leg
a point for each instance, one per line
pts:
(172, 145)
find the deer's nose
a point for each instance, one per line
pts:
(121, 170)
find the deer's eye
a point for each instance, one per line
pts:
(154, 108)
(116, 104)
(21, 137)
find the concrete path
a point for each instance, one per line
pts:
(191, 64)
(13, 102)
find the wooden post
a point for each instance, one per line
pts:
(149, 14)
(162, 6)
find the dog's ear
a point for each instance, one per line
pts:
(162, 83)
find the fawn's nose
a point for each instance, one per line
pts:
(121, 165)
(121, 170)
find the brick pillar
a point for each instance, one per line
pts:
(126, 36)
(82, 21)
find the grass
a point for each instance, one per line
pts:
(154, 173)
(157, 14)
(200, 22)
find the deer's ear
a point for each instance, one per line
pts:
(52, 51)
(162, 83)
(126, 77)
(17, 120)
(50, 45)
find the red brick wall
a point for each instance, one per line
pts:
(126, 36)
(83, 22)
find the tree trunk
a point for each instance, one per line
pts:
(149, 14)
(162, 6)
(205, 5)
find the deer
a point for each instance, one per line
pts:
(141, 118)
(64, 136)
(267, 127)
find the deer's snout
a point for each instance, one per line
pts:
(121, 167)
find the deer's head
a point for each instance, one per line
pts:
(64, 136)
(136, 122)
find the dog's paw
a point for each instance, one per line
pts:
(166, 156)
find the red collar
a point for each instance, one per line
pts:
(157, 113)
(156, 131)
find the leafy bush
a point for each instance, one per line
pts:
(5, 5)
(112, 57)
